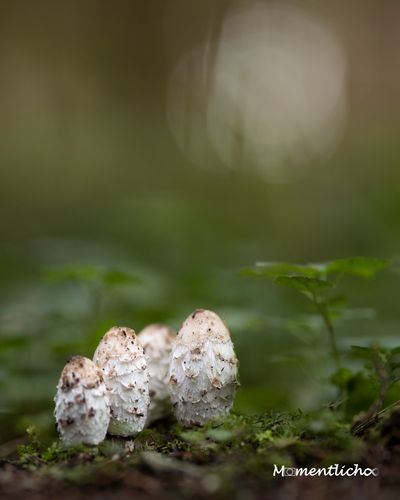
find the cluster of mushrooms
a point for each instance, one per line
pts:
(135, 380)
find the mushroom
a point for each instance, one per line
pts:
(82, 410)
(121, 359)
(203, 369)
(157, 342)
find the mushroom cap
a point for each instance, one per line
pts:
(82, 408)
(157, 340)
(120, 343)
(121, 359)
(80, 370)
(203, 325)
(203, 369)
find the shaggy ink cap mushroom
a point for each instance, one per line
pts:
(157, 340)
(203, 369)
(82, 410)
(121, 359)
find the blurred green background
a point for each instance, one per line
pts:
(177, 142)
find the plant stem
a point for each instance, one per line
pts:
(321, 306)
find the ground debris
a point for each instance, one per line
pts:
(230, 457)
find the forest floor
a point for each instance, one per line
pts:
(234, 457)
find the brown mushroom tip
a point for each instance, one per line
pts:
(79, 364)
(80, 369)
(120, 331)
(117, 342)
(198, 311)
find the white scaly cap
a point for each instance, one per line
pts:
(121, 359)
(82, 410)
(203, 369)
(157, 342)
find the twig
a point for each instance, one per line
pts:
(375, 409)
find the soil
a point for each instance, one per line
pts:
(226, 459)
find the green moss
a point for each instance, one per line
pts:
(232, 445)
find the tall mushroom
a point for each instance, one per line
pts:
(203, 369)
(121, 359)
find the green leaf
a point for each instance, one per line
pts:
(265, 436)
(309, 286)
(13, 342)
(337, 303)
(342, 377)
(394, 357)
(71, 273)
(362, 352)
(358, 266)
(363, 267)
(118, 277)
(90, 273)
(277, 269)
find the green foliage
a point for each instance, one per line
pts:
(238, 431)
(310, 287)
(32, 448)
(373, 388)
(279, 269)
(379, 362)
(317, 282)
(12, 342)
(90, 274)
(357, 266)
(360, 390)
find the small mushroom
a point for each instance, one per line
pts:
(203, 369)
(157, 342)
(121, 359)
(82, 410)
